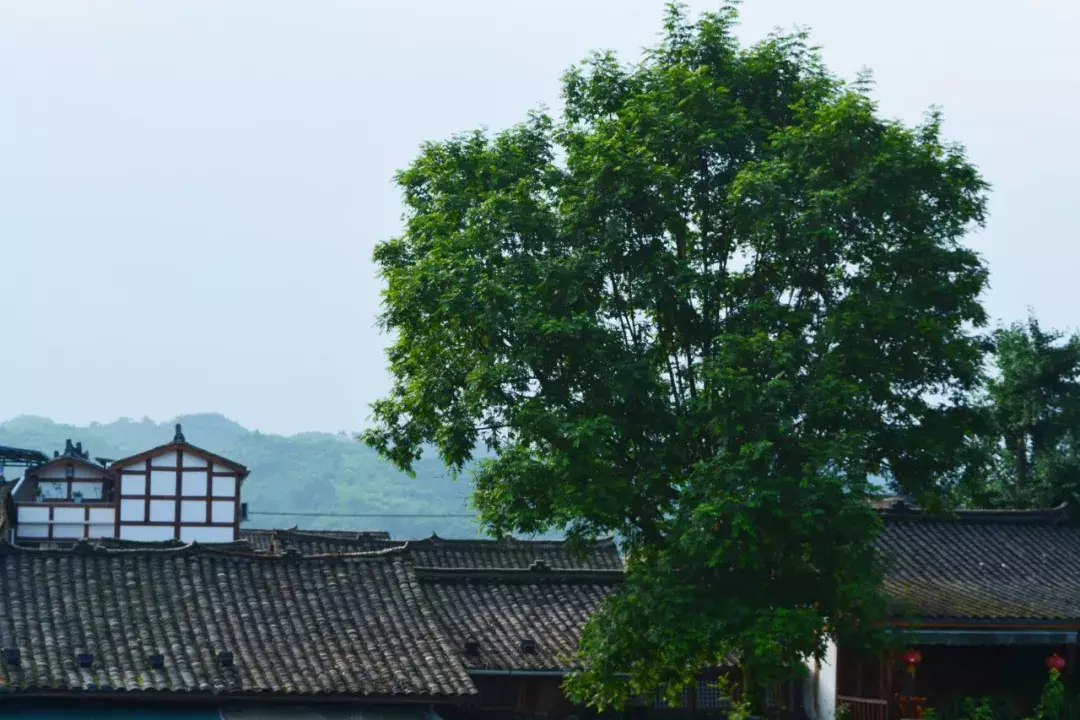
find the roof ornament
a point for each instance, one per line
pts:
(179, 436)
(84, 547)
(72, 450)
(540, 566)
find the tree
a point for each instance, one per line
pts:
(1032, 420)
(696, 311)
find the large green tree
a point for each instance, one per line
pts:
(1031, 431)
(697, 310)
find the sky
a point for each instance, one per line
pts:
(190, 191)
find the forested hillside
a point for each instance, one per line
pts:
(309, 472)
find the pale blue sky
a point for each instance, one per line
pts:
(190, 191)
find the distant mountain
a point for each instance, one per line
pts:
(308, 472)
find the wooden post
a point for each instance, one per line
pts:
(887, 667)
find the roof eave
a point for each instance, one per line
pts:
(140, 695)
(990, 623)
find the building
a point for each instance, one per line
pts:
(129, 585)
(981, 600)
(175, 491)
(67, 498)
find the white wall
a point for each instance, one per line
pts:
(193, 511)
(67, 532)
(102, 515)
(53, 489)
(69, 515)
(162, 482)
(819, 690)
(133, 510)
(162, 510)
(79, 472)
(27, 530)
(89, 490)
(225, 486)
(33, 514)
(193, 461)
(206, 534)
(145, 532)
(194, 484)
(166, 460)
(223, 511)
(133, 484)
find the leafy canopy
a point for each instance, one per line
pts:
(1030, 436)
(697, 310)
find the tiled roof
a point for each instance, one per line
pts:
(346, 626)
(983, 565)
(510, 553)
(7, 507)
(498, 609)
(435, 551)
(318, 542)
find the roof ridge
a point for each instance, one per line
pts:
(352, 536)
(434, 538)
(508, 541)
(1032, 516)
(84, 548)
(536, 573)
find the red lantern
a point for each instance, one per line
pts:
(912, 658)
(1055, 662)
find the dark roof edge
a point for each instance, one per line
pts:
(950, 623)
(136, 696)
(64, 459)
(1039, 516)
(510, 541)
(535, 574)
(352, 537)
(89, 549)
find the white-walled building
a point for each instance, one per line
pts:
(174, 491)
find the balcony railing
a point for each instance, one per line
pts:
(863, 708)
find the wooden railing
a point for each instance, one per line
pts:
(863, 708)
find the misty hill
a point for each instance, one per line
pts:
(308, 472)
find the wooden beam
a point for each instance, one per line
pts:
(146, 510)
(179, 491)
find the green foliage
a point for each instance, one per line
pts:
(1052, 705)
(978, 709)
(1031, 435)
(311, 472)
(1052, 701)
(698, 310)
